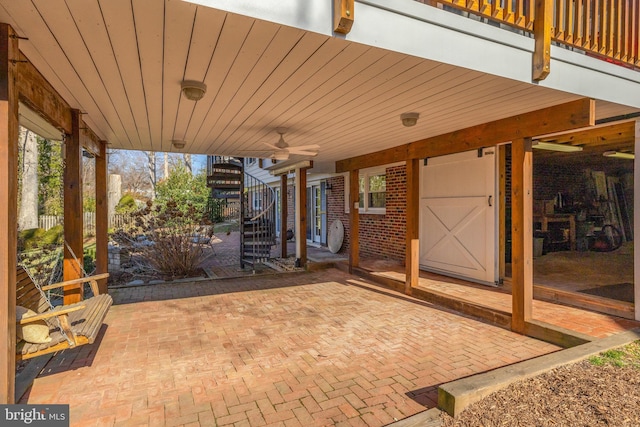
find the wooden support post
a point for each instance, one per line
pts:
(542, 24)
(301, 215)
(502, 212)
(73, 253)
(9, 211)
(302, 196)
(354, 220)
(413, 225)
(283, 215)
(102, 216)
(521, 234)
(636, 221)
(343, 16)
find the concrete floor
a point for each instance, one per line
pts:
(576, 271)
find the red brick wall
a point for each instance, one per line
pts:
(291, 207)
(381, 236)
(335, 208)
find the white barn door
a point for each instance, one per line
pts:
(458, 215)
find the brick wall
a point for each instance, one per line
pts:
(335, 208)
(291, 207)
(381, 236)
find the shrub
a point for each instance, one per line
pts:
(37, 238)
(53, 236)
(127, 204)
(168, 238)
(29, 239)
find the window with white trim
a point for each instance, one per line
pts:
(373, 191)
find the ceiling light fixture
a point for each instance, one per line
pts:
(619, 155)
(409, 119)
(178, 144)
(550, 146)
(193, 90)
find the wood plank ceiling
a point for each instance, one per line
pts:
(121, 63)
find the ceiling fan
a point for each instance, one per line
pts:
(281, 149)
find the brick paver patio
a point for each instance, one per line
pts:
(321, 348)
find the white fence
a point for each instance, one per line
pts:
(89, 221)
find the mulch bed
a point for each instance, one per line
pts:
(120, 278)
(580, 394)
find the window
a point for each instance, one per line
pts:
(373, 191)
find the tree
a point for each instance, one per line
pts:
(50, 171)
(187, 162)
(28, 212)
(132, 166)
(151, 167)
(184, 188)
(165, 170)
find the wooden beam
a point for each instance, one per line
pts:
(283, 215)
(413, 225)
(354, 219)
(502, 212)
(9, 211)
(521, 233)
(89, 140)
(378, 158)
(73, 250)
(102, 216)
(38, 94)
(343, 16)
(636, 220)
(542, 24)
(559, 118)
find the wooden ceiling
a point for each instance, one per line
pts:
(594, 142)
(121, 63)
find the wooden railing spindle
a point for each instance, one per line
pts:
(570, 31)
(520, 17)
(611, 29)
(559, 32)
(586, 38)
(607, 28)
(633, 31)
(578, 33)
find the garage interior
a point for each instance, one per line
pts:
(583, 218)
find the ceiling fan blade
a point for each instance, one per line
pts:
(305, 147)
(272, 146)
(303, 152)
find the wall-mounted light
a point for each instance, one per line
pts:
(409, 119)
(193, 90)
(619, 155)
(328, 186)
(178, 144)
(551, 146)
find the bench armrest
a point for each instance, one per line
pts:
(49, 314)
(92, 279)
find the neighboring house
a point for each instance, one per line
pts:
(453, 193)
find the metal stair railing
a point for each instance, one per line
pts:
(258, 202)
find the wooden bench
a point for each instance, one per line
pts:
(80, 322)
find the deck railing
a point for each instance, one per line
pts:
(604, 28)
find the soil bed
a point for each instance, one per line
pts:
(603, 391)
